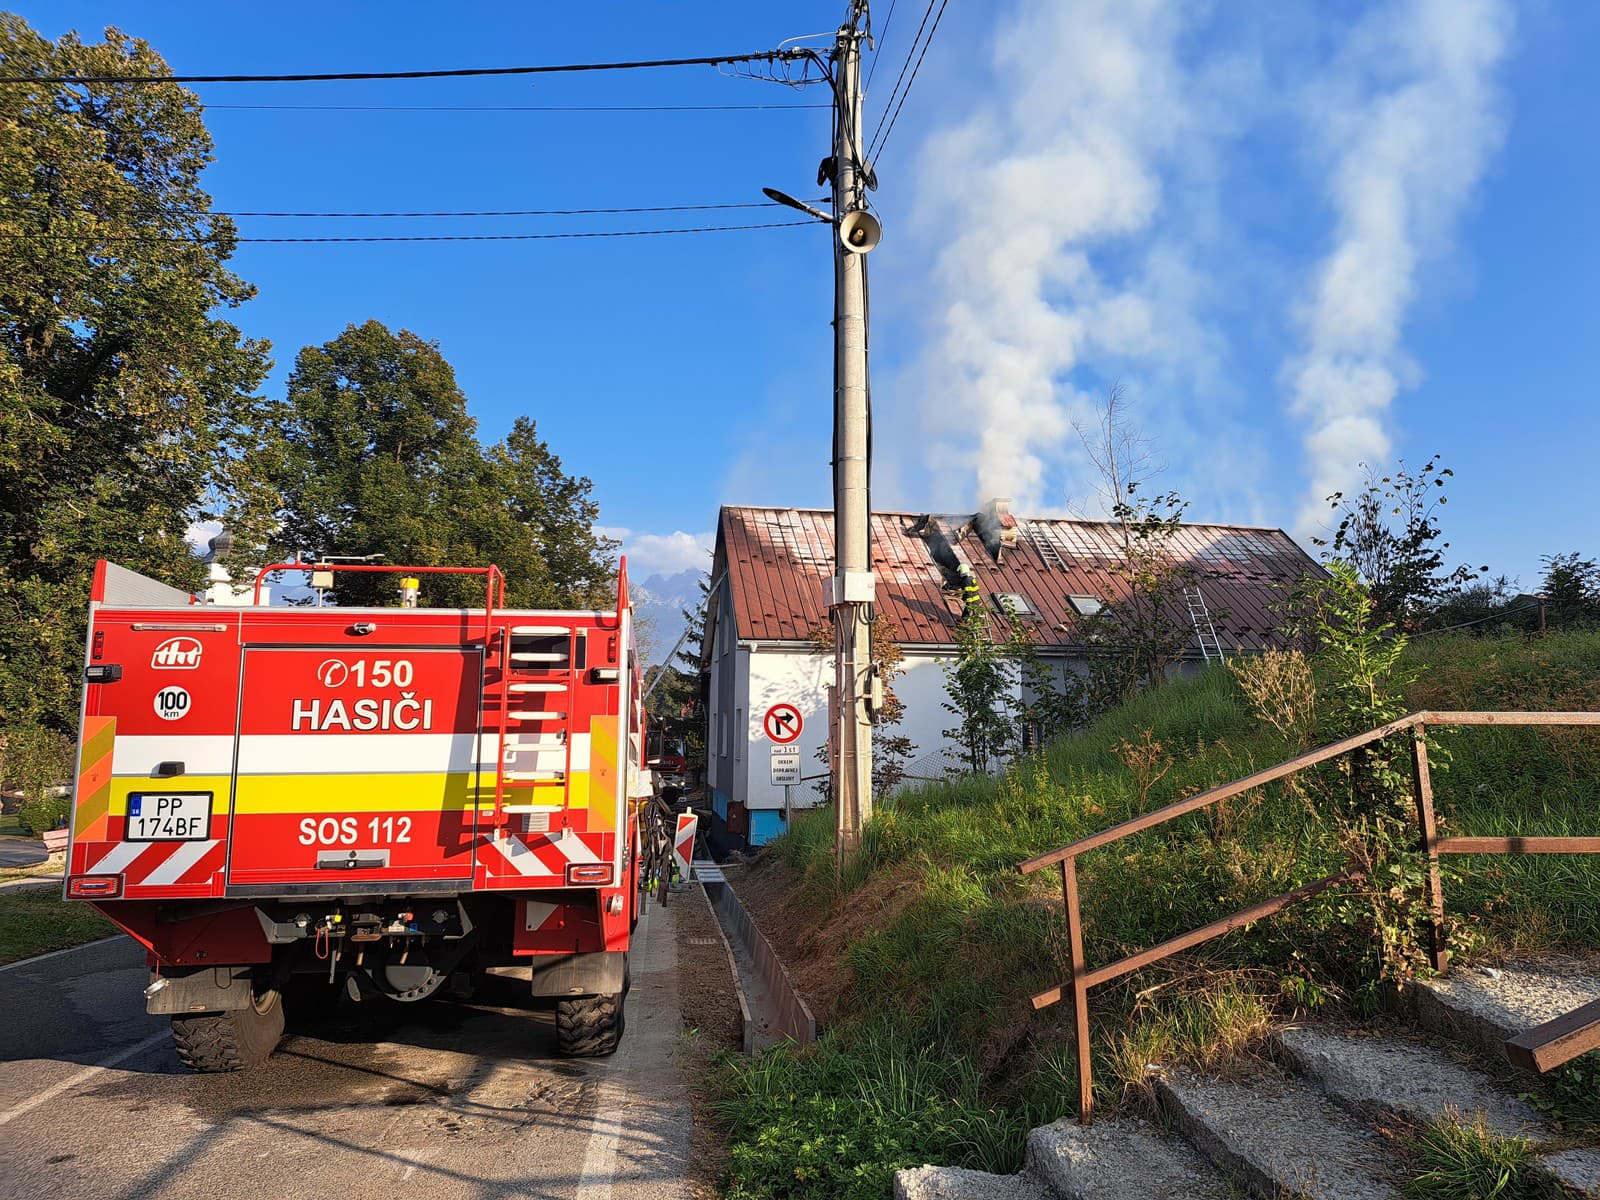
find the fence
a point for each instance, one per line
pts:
(1083, 978)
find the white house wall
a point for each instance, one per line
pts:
(775, 675)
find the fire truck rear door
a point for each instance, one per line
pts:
(356, 767)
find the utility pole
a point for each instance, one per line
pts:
(852, 588)
(851, 591)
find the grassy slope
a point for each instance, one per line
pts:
(940, 990)
(36, 920)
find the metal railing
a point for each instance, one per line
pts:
(1083, 978)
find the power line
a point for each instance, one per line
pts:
(459, 237)
(458, 73)
(878, 40)
(500, 212)
(904, 67)
(575, 108)
(884, 141)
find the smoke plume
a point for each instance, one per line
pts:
(1406, 119)
(1059, 158)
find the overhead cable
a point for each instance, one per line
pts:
(880, 143)
(458, 237)
(877, 45)
(575, 108)
(456, 73)
(502, 212)
(904, 67)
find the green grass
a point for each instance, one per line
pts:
(38, 920)
(1455, 1160)
(951, 974)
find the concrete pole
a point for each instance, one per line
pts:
(852, 596)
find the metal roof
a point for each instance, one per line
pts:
(778, 561)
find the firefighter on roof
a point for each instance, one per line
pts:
(970, 596)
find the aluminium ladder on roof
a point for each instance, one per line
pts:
(1205, 633)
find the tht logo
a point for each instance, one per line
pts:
(177, 654)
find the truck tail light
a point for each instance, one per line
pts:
(588, 872)
(95, 887)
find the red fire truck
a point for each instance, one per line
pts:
(383, 799)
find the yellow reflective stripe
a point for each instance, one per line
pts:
(125, 785)
(360, 793)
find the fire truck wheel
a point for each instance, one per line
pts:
(230, 1041)
(589, 1027)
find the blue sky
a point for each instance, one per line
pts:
(1297, 234)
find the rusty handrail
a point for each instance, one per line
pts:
(1432, 846)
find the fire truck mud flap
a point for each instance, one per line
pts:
(603, 973)
(177, 991)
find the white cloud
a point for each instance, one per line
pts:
(1405, 121)
(661, 553)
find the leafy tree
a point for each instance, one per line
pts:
(126, 400)
(1045, 706)
(674, 707)
(1390, 533)
(890, 751)
(379, 456)
(1571, 588)
(1485, 607)
(1145, 629)
(574, 564)
(978, 683)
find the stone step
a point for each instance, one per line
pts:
(1483, 1006)
(958, 1183)
(1120, 1159)
(1281, 1136)
(1371, 1075)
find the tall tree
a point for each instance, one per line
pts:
(379, 456)
(1145, 628)
(1390, 533)
(127, 405)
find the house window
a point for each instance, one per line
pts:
(1013, 604)
(738, 734)
(1085, 606)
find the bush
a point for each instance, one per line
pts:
(36, 761)
(44, 814)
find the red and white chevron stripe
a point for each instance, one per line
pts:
(158, 864)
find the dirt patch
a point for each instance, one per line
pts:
(808, 932)
(705, 984)
(712, 1024)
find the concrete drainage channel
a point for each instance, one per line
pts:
(772, 1009)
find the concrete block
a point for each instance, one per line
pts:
(1375, 1074)
(1120, 1159)
(1482, 1007)
(1279, 1136)
(958, 1183)
(1578, 1170)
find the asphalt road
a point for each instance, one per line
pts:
(429, 1100)
(21, 852)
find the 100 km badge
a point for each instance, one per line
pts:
(172, 703)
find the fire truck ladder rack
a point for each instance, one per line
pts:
(554, 657)
(1205, 633)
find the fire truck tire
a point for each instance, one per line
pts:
(230, 1041)
(589, 1027)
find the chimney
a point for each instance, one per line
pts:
(997, 527)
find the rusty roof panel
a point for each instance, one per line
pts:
(779, 560)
